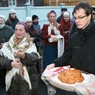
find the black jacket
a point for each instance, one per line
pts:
(80, 53)
(5, 63)
(5, 33)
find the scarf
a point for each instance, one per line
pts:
(66, 25)
(8, 51)
(59, 37)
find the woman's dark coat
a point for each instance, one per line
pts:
(18, 85)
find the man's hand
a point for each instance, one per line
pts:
(50, 66)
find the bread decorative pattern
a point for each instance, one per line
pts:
(71, 76)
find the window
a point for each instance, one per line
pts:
(3, 3)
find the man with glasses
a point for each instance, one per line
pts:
(80, 52)
(73, 28)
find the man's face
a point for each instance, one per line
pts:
(81, 19)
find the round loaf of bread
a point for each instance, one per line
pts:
(71, 76)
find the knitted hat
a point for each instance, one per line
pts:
(64, 9)
(2, 16)
(66, 14)
(28, 18)
(12, 11)
(24, 24)
(52, 11)
(34, 17)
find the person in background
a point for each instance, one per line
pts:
(5, 33)
(81, 50)
(50, 41)
(12, 19)
(93, 13)
(66, 25)
(34, 36)
(35, 21)
(32, 32)
(23, 81)
(61, 16)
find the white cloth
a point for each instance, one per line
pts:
(87, 87)
(59, 37)
(8, 50)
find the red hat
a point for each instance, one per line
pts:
(25, 25)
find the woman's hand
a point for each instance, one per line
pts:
(17, 64)
(54, 38)
(20, 54)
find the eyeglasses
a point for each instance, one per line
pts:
(80, 17)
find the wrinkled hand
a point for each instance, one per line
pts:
(54, 38)
(17, 64)
(20, 54)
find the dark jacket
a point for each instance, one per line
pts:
(80, 53)
(59, 18)
(73, 29)
(12, 22)
(4, 64)
(5, 33)
(33, 33)
(18, 85)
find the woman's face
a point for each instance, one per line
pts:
(29, 23)
(52, 17)
(20, 31)
(13, 15)
(67, 18)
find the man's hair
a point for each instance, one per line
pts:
(84, 5)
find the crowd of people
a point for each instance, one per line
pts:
(26, 50)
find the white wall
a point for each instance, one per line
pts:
(22, 12)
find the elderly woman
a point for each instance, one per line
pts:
(50, 32)
(66, 25)
(22, 81)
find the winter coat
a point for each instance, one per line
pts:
(12, 22)
(18, 85)
(80, 53)
(59, 18)
(5, 63)
(5, 33)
